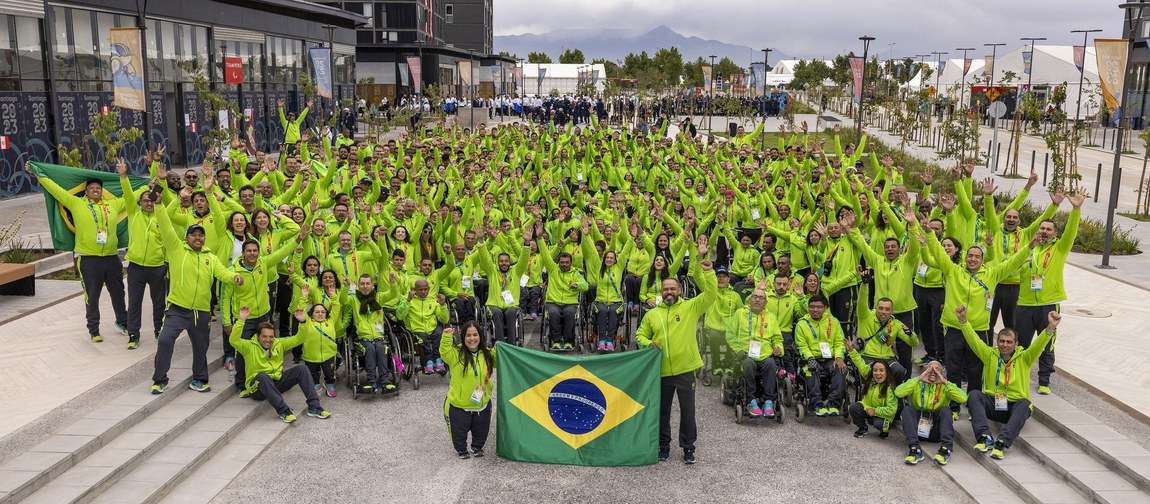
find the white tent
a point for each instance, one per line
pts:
(1052, 65)
(915, 83)
(783, 71)
(561, 77)
(953, 83)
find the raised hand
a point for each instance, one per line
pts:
(1078, 198)
(1052, 320)
(1056, 197)
(121, 167)
(988, 187)
(244, 313)
(960, 314)
(1032, 179)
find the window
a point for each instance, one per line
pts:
(167, 56)
(63, 59)
(28, 48)
(152, 34)
(368, 9)
(201, 43)
(104, 24)
(8, 62)
(449, 12)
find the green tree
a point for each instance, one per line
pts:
(538, 57)
(571, 56)
(669, 63)
(809, 75)
(841, 70)
(727, 69)
(693, 73)
(614, 71)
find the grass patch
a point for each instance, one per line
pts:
(801, 107)
(64, 274)
(1137, 217)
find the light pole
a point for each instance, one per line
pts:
(1082, 70)
(993, 54)
(1132, 20)
(989, 85)
(766, 58)
(962, 81)
(763, 137)
(711, 98)
(866, 40)
(1030, 74)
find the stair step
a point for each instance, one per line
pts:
(30, 471)
(1030, 480)
(1088, 474)
(977, 481)
(1112, 449)
(165, 468)
(121, 455)
(214, 474)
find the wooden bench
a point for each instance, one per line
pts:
(17, 279)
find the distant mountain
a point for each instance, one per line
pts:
(614, 44)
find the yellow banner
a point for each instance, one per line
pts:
(127, 68)
(465, 72)
(707, 76)
(1111, 55)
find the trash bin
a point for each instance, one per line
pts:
(732, 129)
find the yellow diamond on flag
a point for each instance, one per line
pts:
(576, 406)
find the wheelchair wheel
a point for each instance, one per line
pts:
(351, 370)
(788, 392)
(706, 377)
(780, 414)
(738, 413)
(800, 412)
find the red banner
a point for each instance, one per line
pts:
(857, 66)
(233, 70)
(1079, 56)
(965, 66)
(413, 65)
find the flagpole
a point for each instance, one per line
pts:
(141, 23)
(1116, 172)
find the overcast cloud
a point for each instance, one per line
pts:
(818, 28)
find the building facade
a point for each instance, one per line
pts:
(56, 73)
(411, 44)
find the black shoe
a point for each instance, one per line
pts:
(884, 434)
(464, 455)
(664, 454)
(860, 432)
(477, 452)
(689, 457)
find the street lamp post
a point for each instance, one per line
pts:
(1082, 70)
(1030, 74)
(711, 98)
(962, 81)
(866, 40)
(989, 85)
(763, 137)
(1132, 20)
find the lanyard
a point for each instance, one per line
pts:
(354, 263)
(815, 332)
(321, 333)
(611, 278)
(96, 220)
(1005, 248)
(1005, 382)
(502, 281)
(922, 395)
(980, 284)
(1045, 258)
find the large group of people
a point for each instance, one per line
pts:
(792, 263)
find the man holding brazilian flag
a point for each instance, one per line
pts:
(86, 214)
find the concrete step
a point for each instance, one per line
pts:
(1112, 449)
(120, 454)
(977, 481)
(72, 444)
(167, 467)
(1029, 479)
(1079, 468)
(214, 474)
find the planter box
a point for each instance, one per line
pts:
(17, 279)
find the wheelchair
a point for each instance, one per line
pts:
(545, 337)
(732, 393)
(852, 384)
(623, 337)
(406, 350)
(488, 325)
(352, 354)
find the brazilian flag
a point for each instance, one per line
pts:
(593, 411)
(74, 180)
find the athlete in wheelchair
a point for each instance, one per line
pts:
(564, 286)
(819, 338)
(503, 293)
(754, 334)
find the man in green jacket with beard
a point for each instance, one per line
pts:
(670, 326)
(192, 269)
(146, 261)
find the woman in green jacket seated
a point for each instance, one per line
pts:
(879, 404)
(467, 408)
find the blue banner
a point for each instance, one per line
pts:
(321, 67)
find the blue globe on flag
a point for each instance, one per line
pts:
(576, 406)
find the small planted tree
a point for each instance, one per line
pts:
(108, 134)
(1062, 140)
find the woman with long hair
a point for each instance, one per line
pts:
(467, 407)
(878, 406)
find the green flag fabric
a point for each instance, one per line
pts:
(594, 411)
(73, 180)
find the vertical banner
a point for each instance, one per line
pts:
(857, 66)
(965, 67)
(465, 72)
(1079, 56)
(987, 67)
(517, 74)
(233, 70)
(542, 74)
(321, 66)
(1027, 61)
(1111, 56)
(413, 65)
(707, 77)
(127, 63)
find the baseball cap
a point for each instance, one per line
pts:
(194, 228)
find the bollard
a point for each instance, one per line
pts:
(1098, 182)
(1045, 166)
(997, 151)
(1009, 149)
(989, 146)
(1033, 155)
